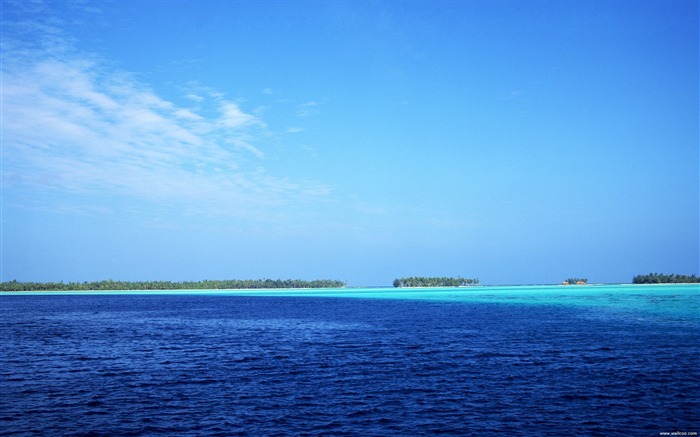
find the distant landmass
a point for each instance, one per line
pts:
(660, 278)
(229, 284)
(575, 281)
(419, 281)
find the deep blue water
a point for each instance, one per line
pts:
(184, 364)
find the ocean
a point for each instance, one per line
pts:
(538, 360)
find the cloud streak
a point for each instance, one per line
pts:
(71, 125)
(306, 109)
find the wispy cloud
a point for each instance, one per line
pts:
(233, 117)
(306, 109)
(194, 97)
(311, 150)
(71, 125)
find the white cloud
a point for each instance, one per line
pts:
(233, 117)
(306, 109)
(194, 97)
(294, 130)
(242, 145)
(188, 114)
(73, 126)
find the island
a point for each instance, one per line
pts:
(229, 284)
(575, 281)
(419, 281)
(660, 278)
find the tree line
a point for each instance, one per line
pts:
(660, 278)
(235, 284)
(575, 281)
(419, 281)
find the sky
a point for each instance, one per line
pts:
(518, 142)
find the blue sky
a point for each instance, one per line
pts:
(513, 141)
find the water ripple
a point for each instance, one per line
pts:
(224, 365)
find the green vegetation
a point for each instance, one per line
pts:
(168, 285)
(575, 281)
(660, 278)
(418, 281)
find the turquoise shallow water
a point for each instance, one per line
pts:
(665, 301)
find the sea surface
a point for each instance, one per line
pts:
(544, 361)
